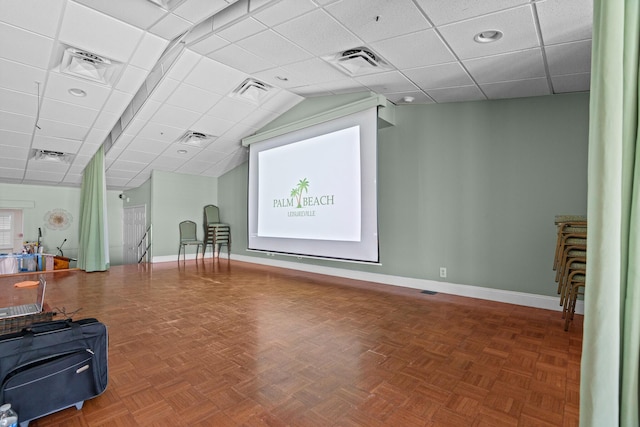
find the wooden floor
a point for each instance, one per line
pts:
(234, 344)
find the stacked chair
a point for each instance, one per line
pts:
(216, 233)
(570, 262)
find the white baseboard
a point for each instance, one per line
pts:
(499, 295)
(168, 258)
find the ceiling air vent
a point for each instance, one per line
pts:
(252, 90)
(196, 139)
(87, 65)
(52, 156)
(357, 62)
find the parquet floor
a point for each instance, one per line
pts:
(234, 344)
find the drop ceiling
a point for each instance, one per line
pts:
(163, 69)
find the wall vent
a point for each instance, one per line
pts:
(357, 61)
(87, 65)
(196, 139)
(252, 90)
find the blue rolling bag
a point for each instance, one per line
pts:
(53, 365)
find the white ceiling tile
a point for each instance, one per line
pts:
(14, 152)
(103, 35)
(18, 102)
(56, 144)
(117, 173)
(555, 26)
(185, 63)
(96, 136)
(569, 58)
(238, 58)
(215, 77)
(125, 165)
(148, 51)
(131, 79)
(268, 44)
(147, 111)
(20, 77)
(231, 109)
(67, 113)
(88, 149)
(106, 121)
(10, 175)
(212, 125)
(318, 33)
(18, 163)
(141, 14)
(61, 130)
(347, 85)
(117, 102)
(17, 122)
(47, 166)
(136, 125)
(39, 16)
(439, 76)
(456, 94)
(14, 139)
(287, 78)
(391, 81)
(171, 26)
(281, 101)
(123, 140)
(164, 89)
(517, 89)
(284, 11)
(571, 83)
(166, 163)
(414, 50)
(45, 177)
(147, 145)
(26, 47)
(177, 151)
(241, 29)
(193, 98)
(175, 116)
(209, 44)
(160, 132)
(198, 10)
(138, 156)
(444, 12)
(194, 166)
(374, 20)
(313, 70)
(521, 65)
(517, 26)
(73, 179)
(58, 87)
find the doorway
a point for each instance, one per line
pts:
(133, 228)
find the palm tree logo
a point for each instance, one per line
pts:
(303, 185)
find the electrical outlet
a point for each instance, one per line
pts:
(443, 272)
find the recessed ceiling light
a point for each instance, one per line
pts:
(77, 92)
(182, 151)
(408, 99)
(488, 36)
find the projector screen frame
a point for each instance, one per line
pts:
(369, 209)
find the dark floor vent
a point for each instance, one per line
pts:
(428, 292)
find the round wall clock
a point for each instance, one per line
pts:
(57, 219)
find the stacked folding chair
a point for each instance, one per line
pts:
(570, 262)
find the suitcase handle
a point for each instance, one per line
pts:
(43, 327)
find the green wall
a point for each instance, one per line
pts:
(470, 186)
(47, 198)
(174, 198)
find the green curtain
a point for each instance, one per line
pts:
(93, 251)
(611, 343)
